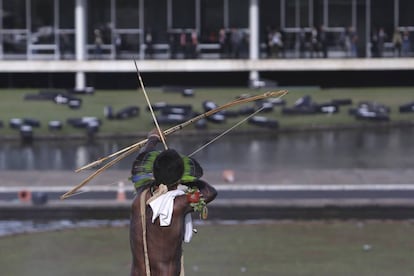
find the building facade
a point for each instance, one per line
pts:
(83, 30)
(44, 29)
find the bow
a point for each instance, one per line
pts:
(121, 154)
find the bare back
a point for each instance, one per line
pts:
(164, 242)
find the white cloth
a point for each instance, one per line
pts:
(163, 207)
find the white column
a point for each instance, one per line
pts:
(56, 27)
(254, 36)
(80, 41)
(396, 14)
(142, 27)
(1, 28)
(368, 28)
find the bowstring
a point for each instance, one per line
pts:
(230, 129)
(227, 131)
(197, 150)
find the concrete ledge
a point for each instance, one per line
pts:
(211, 65)
(395, 212)
(220, 210)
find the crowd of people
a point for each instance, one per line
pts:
(400, 42)
(309, 42)
(315, 42)
(232, 43)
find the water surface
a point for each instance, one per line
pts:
(370, 148)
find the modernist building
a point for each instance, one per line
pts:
(82, 36)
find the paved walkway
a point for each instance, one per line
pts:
(293, 202)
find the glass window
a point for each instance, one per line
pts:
(127, 12)
(290, 14)
(67, 14)
(66, 29)
(304, 13)
(297, 14)
(99, 18)
(183, 14)
(269, 17)
(239, 13)
(406, 13)
(41, 14)
(212, 20)
(269, 11)
(339, 13)
(14, 19)
(42, 22)
(318, 13)
(155, 18)
(382, 16)
(14, 16)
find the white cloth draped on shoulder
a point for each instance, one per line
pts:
(163, 206)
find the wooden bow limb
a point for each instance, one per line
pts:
(173, 129)
(135, 147)
(99, 171)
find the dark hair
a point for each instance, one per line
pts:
(168, 167)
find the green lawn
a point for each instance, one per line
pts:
(284, 248)
(12, 105)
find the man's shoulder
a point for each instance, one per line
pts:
(181, 203)
(139, 193)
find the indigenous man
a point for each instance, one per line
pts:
(161, 212)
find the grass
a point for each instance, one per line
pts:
(12, 105)
(283, 248)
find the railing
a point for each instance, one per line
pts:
(107, 51)
(209, 50)
(43, 51)
(164, 51)
(159, 51)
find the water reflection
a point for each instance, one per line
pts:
(386, 148)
